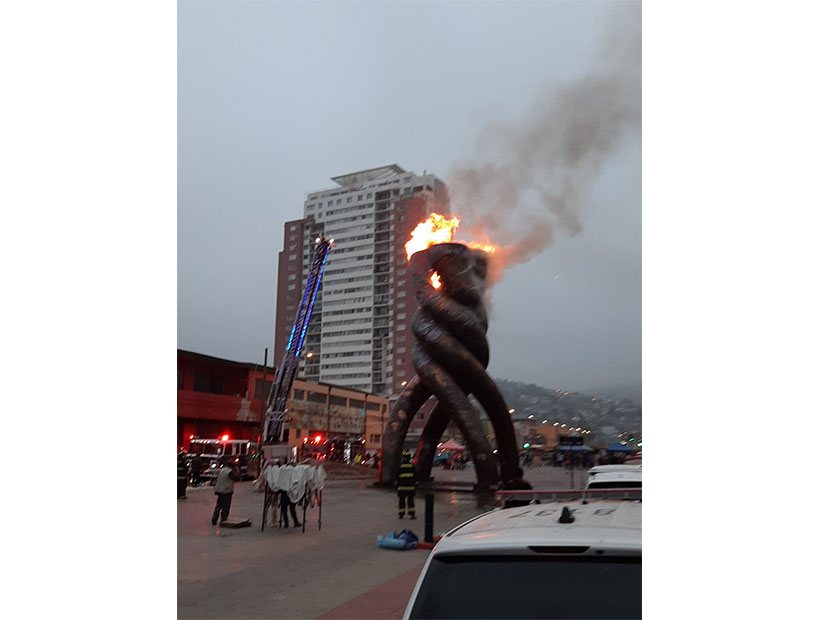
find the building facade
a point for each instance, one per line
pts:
(359, 335)
(217, 397)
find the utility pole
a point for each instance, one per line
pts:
(262, 407)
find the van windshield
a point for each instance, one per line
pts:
(615, 484)
(530, 587)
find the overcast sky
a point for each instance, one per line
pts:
(277, 97)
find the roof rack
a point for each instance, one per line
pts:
(572, 495)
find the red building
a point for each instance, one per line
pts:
(217, 397)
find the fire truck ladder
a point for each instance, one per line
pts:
(278, 396)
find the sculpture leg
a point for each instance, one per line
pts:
(430, 436)
(463, 414)
(415, 394)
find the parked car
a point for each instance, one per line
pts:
(555, 560)
(620, 477)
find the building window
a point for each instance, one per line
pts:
(292, 276)
(291, 287)
(209, 384)
(316, 397)
(400, 327)
(375, 438)
(293, 227)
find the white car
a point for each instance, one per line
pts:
(556, 560)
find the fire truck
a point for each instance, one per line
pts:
(224, 451)
(274, 444)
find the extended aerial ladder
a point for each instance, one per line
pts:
(274, 429)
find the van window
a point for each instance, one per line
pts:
(530, 587)
(615, 484)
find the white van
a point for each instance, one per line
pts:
(614, 477)
(556, 560)
(605, 469)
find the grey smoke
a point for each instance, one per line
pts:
(533, 175)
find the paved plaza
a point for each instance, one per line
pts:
(338, 572)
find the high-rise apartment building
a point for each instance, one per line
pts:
(359, 334)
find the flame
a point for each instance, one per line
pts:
(435, 280)
(487, 247)
(438, 229)
(435, 229)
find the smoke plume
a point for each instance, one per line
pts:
(535, 174)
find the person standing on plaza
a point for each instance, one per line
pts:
(406, 486)
(285, 481)
(196, 470)
(224, 492)
(517, 483)
(182, 475)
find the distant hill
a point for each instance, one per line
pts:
(608, 411)
(618, 392)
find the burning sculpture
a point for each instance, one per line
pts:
(450, 355)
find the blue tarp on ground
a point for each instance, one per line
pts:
(616, 447)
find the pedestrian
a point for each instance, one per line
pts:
(517, 483)
(284, 500)
(406, 485)
(196, 470)
(224, 492)
(182, 475)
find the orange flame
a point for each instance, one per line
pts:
(487, 247)
(435, 229)
(435, 280)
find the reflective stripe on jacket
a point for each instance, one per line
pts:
(407, 477)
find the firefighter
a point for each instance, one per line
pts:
(182, 475)
(406, 485)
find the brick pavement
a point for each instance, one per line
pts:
(245, 573)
